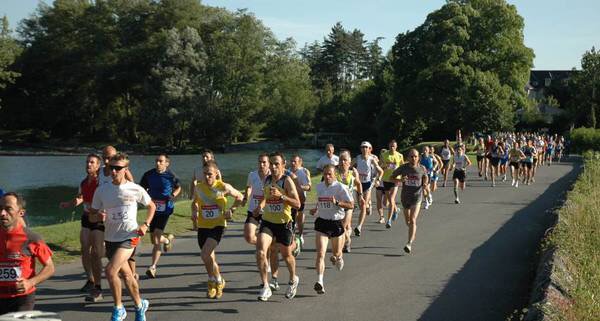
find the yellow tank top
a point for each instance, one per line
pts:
(211, 203)
(391, 161)
(347, 179)
(276, 211)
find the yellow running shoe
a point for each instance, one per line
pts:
(220, 287)
(211, 293)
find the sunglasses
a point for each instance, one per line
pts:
(116, 168)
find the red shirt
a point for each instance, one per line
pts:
(87, 188)
(18, 249)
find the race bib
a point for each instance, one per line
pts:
(391, 166)
(325, 202)
(256, 199)
(10, 274)
(118, 213)
(161, 206)
(413, 180)
(275, 206)
(210, 212)
(363, 177)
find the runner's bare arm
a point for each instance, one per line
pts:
(150, 209)
(76, 201)
(24, 285)
(291, 194)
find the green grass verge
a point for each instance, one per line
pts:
(577, 240)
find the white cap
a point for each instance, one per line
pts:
(365, 143)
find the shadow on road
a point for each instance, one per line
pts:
(496, 280)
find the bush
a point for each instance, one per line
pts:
(583, 139)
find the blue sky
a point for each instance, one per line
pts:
(559, 31)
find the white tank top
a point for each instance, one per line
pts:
(302, 178)
(446, 153)
(365, 168)
(460, 162)
(257, 193)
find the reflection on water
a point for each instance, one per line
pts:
(47, 180)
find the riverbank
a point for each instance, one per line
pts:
(568, 281)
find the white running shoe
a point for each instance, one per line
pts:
(426, 204)
(457, 201)
(517, 184)
(512, 183)
(264, 294)
(408, 248)
(293, 287)
(339, 264)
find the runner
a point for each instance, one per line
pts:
(436, 170)
(328, 158)
(430, 163)
(163, 186)
(446, 153)
(301, 177)
(516, 156)
(489, 143)
(549, 152)
(496, 152)
(349, 177)
(254, 195)
(503, 159)
(19, 249)
(366, 164)
(415, 183)
(559, 150)
(91, 236)
(481, 151)
(390, 160)
(211, 200)
(207, 155)
(280, 196)
(116, 205)
(460, 162)
(528, 162)
(333, 198)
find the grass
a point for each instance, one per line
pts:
(577, 240)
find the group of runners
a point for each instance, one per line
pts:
(275, 196)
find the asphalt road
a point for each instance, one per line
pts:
(472, 261)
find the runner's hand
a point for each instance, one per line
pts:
(256, 212)
(142, 230)
(24, 285)
(228, 214)
(64, 205)
(313, 211)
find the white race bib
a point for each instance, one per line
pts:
(10, 274)
(325, 202)
(275, 206)
(413, 180)
(256, 199)
(210, 212)
(118, 213)
(161, 206)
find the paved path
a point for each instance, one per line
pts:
(472, 261)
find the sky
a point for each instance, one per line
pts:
(559, 31)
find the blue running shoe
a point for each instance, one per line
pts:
(140, 314)
(118, 314)
(395, 215)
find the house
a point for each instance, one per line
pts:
(539, 83)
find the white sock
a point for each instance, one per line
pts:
(218, 279)
(320, 278)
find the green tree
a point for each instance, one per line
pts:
(585, 86)
(9, 51)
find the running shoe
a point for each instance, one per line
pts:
(381, 220)
(517, 184)
(87, 287)
(346, 249)
(388, 224)
(457, 201)
(118, 314)
(332, 259)
(168, 246)
(408, 248)
(274, 285)
(264, 294)
(512, 183)
(368, 211)
(426, 204)
(395, 215)
(151, 272)
(140, 313)
(357, 230)
(298, 248)
(220, 287)
(293, 287)
(339, 263)
(319, 288)
(211, 291)
(95, 295)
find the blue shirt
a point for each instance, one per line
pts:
(160, 186)
(1, 192)
(427, 162)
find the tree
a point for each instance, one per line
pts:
(464, 67)
(585, 86)
(9, 51)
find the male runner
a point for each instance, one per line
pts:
(366, 163)
(328, 158)
(280, 196)
(19, 249)
(301, 177)
(390, 160)
(116, 205)
(515, 156)
(446, 154)
(163, 187)
(460, 162)
(348, 176)
(91, 236)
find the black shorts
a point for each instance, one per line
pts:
(159, 222)
(380, 188)
(388, 185)
(535, 161)
(251, 219)
(112, 247)
(528, 165)
(215, 233)
(17, 304)
(85, 222)
(495, 161)
(282, 233)
(331, 228)
(515, 165)
(460, 175)
(480, 158)
(445, 163)
(366, 186)
(488, 156)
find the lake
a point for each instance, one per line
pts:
(45, 181)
